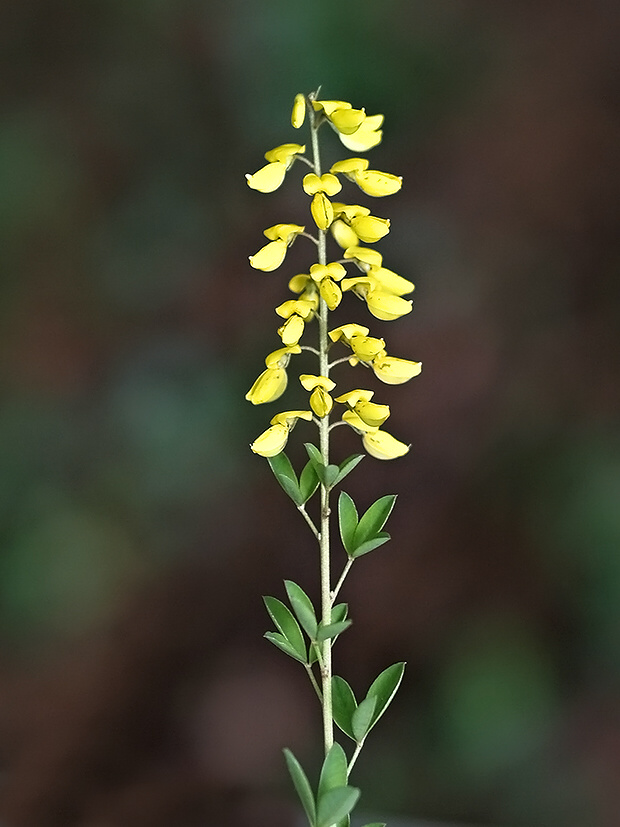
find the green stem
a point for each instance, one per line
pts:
(326, 598)
(308, 519)
(338, 585)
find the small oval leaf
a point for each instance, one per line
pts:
(303, 608)
(343, 705)
(362, 718)
(332, 630)
(308, 481)
(302, 785)
(384, 687)
(370, 545)
(335, 805)
(347, 519)
(374, 519)
(282, 643)
(334, 770)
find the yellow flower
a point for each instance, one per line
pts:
(271, 256)
(302, 307)
(343, 235)
(281, 357)
(347, 121)
(327, 183)
(367, 348)
(320, 400)
(325, 275)
(354, 421)
(274, 439)
(271, 442)
(335, 270)
(394, 371)
(390, 282)
(269, 386)
(292, 330)
(347, 331)
(298, 114)
(386, 306)
(322, 211)
(378, 184)
(382, 445)
(285, 153)
(366, 137)
(369, 229)
(349, 211)
(364, 257)
(350, 167)
(371, 414)
(329, 107)
(269, 177)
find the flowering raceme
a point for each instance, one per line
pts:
(321, 289)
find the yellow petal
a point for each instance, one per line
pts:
(322, 211)
(369, 228)
(354, 421)
(382, 445)
(366, 137)
(390, 282)
(292, 330)
(298, 114)
(346, 331)
(301, 307)
(367, 348)
(330, 293)
(309, 381)
(371, 413)
(343, 234)
(269, 257)
(299, 283)
(280, 358)
(350, 166)
(321, 402)
(271, 442)
(285, 153)
(329, 107)
(347, 121)
(378, 184)
(325, 183)
(283, 232)
(364, 255)
(270, 385)
(351, 398)
(289, 418)
(268, 178)
(386, 306)
(394, 371)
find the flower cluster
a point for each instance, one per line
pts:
(357, 270)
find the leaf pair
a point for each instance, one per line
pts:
(299, 490)
(356, 720)
(331, 475)
(359, 536)
(289, 637)
(334, 799)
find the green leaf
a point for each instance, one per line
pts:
(308, 481)
(330, 476)
(303, 608)
(339, 612)
(314, 454)
(343, 705)
(282, 643)
(332, 630)
(285, 475)
(335, 805)
(347, 465)
(381, 538)
(374, 519)
(362, 718)
(334, 770)
(384, 687)
(286, 623)
(347, 519)
(302, 785)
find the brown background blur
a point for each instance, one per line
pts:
(138, 531)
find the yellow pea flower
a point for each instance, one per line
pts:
(327, 183)
(350, 167)
(298, 114)
(292, 330)
(289, 418)
(269, 257)
(322, 211)
(378, 184)
(347, 121)
(301, 307)
(271, 442)
(382, 445)
(370, 413)
(366, 348)
(320, 400)
(334, 270)
(347, 331)
(369, 228)
(310, 381)
(386, 306)
(330, 293)
(285, 153)
(349, 211)
(269, 386)
(343, 235)
(390, 282)
(354, 421)
(364, 257)
(366, 137)
(281, 357)
(394, 371)
(330, 106)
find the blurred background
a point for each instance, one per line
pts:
(138, 530)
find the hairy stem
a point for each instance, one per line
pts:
(326, 598)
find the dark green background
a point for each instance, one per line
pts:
(138, 531)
